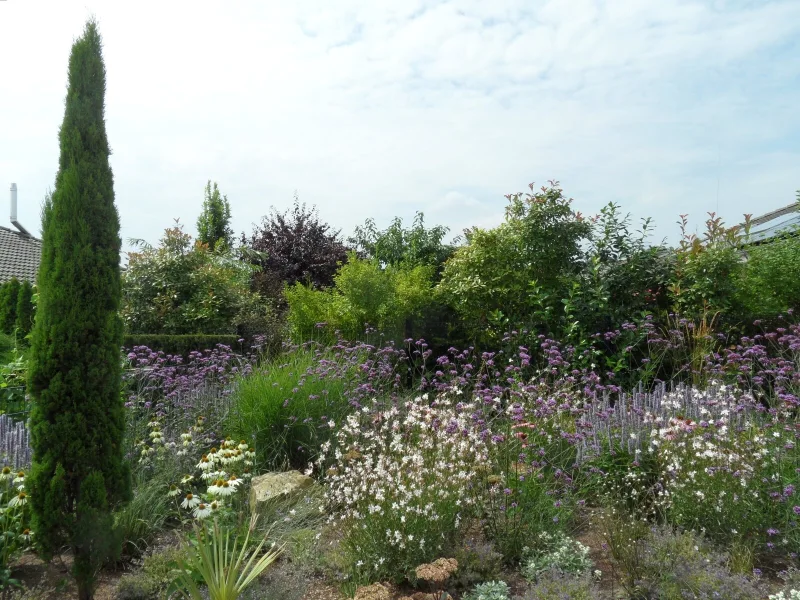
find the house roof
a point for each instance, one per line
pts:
(775, 223)
(20, 255)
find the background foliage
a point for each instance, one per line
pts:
(182, 287)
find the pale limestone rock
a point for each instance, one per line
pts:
(266, 487)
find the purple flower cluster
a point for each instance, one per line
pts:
(177, 390)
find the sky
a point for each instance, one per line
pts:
(381, 109)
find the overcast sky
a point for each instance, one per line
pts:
(384, 108)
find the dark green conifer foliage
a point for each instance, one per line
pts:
(24, 320)
(213, 224)
(77, 418)
(8, 305)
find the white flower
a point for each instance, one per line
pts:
(202, 511)
(21, 499)
(190, 501)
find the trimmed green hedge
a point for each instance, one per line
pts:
(182, 344)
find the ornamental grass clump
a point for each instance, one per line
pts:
(284, 408)
(402, 482)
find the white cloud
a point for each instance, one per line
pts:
(384, 108)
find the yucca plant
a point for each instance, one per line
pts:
(227, 568)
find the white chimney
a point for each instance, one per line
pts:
(13, 202)
(14, 210)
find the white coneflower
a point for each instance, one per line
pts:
(20, 499)
(234, 481)
(174, 490)
(243, 446)
(186, 479)
(25, 536)
(202, 511)
(205, 464)
(20, 478)
(215, 505)
(190, 501)
(6, 474)
(213, 489)
(225, 489)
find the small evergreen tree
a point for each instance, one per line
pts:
(24, 310)
(77, 418)
(8, 305)
(214, 223)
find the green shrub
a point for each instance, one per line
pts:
(399, 246)
(186, 288)
(767, 285)
(518, 272)
(365, 294)
(707, 269)
(137, 586)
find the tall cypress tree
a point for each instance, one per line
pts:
(213, 224)
(8, 306)
(24, 310)
(77, 419)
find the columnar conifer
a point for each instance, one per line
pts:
(214, 223)
(24, 315)
(8, 305)
(77, 418)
